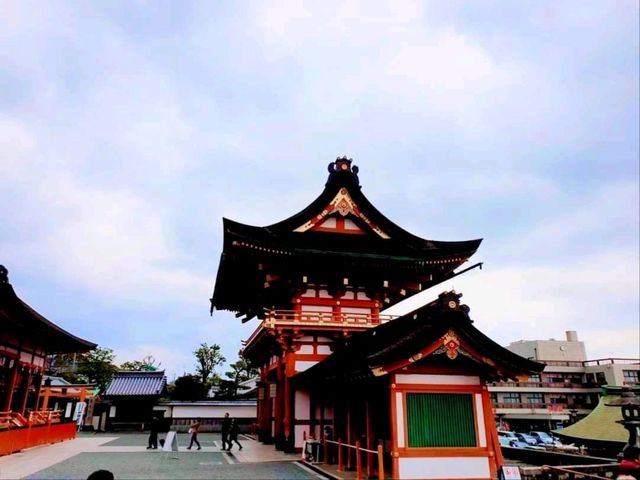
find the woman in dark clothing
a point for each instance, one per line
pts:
(233, 434)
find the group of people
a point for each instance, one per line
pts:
(230, 432)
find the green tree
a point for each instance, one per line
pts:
(97, 367)
(188, 387)
(239, 372)
(65, 365)
(147, 364)
(208, 357)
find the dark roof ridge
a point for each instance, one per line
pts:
(20, 311)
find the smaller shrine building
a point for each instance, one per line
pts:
(26, 338)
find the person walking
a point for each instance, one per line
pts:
(153, 433)
(226, 426)
(233, 434)
(195, 427)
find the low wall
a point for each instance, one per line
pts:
(542, 457)
(16, 439)
(179, 415)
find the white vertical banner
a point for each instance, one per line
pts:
(78, 414)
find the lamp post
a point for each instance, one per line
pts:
(630, 405)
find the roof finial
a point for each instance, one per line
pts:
(4, 274)
(343, 164)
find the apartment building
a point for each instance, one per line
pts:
(566, 390)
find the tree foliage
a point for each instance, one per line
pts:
(239, 372)
(208, 358)
(97, 367)
(147, 364)
(188, 387)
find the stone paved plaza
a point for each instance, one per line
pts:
(127, 457)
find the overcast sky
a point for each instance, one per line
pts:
(129, 129)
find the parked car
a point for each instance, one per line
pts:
(543, 438)
(509, 435)
(526, 438)
(504, 441)
(510, 439)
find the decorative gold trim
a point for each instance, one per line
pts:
(344, 205)
(451, 343)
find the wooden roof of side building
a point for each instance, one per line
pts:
(18, 318)
(126, 384)
(440, 332)
(300, 243)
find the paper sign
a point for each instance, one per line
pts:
(511, 473)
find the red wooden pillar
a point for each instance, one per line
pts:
(11, 385)
(289, 399)
(369, 435)
(495, 452)
(26, 383)
(349, 435)
(279, 402)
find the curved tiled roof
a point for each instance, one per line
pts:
(601, 425)
(359, 356)
(292, 248)
(136, 384)
(18, 318)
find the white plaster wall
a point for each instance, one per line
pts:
(215, 411)
(316, 308)
(324, 349)
(443, 467)
(301, 366)
(305, 349)
(480, 427)
(302, 405)
(400, 419)
(299, 431)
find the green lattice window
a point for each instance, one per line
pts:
(440, 420)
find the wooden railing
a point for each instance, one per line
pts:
(11, 420)
(314, 318)
(14, 419)
(570, 472)
(611, 361)
(340, 448)
(44, 417)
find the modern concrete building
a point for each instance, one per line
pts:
(568, 388)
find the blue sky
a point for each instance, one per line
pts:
(129, 129)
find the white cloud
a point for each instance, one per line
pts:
(17, 144)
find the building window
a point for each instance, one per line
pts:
(440, 420)
(535, 398)
(493, 396)
(630, 376)
(534, 377)
(511, 398)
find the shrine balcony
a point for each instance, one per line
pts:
(317, 320)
